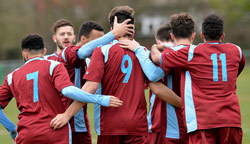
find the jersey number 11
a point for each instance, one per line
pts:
(215, 66)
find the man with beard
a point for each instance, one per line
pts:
(63, 36)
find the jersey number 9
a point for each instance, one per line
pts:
(126, 70)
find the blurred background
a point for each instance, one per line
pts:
(21, 17)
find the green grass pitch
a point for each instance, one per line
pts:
(242, 91)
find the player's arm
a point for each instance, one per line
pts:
(242, 64)
(176, 59)
(5, 98)
(85, 97)
(8, 125)
(164, 93)
(118, 30)
(89, 87)
(154, 73)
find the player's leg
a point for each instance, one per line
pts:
(154, 138)
(207, 136)
(81, 138)
(230, 135)
(131, 139)
(109, 139)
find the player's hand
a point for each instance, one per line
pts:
(129, 44)
(115, 102)
(161, 47)
(155, 54)
(59, 121)
(120, 29)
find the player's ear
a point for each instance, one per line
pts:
(222, 36)
(202, 36)
(157, 41)
(44, 51)
(193, 36)
(172, 36)
(83, 39)
(54, 38)
(25, 55)
(132, 36)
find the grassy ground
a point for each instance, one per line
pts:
(243, 93)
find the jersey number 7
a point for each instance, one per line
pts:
(34, 76)
(127, 70)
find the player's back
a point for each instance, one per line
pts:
(173, 125)
(213, 68)
(123, 78)
(36, 86)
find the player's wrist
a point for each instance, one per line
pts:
(13, 134)
(104, 100)
(137, 48)
(115, 33)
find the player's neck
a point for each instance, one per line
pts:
(33, 56)
(182, 42)
(211, 40)
(166, 43)
(58, 50)
(80, 43)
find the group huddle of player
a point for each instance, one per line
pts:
(192, 87)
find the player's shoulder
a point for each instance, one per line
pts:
(237, 48)
(232, 45)
(105, 48)
(52, 56)
(66, 52)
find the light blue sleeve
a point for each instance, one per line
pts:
(160, 59)
(11, 128)
(82, 96)
(87, 49)
(154, 73)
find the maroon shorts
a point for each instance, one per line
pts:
(154, 138)
(175, 141)
(81, 138)
(225, 135)
(42, 133)
(120, 139)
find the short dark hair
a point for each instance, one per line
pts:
(182, 25)
(121, 15)
(60, 23)
(212, 27)
(87, 27)
(121, 8)
(163, 33)
(32, 42)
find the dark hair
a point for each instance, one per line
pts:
(32, 42)
(182, 25)
(87, 27)
(121, 17)
(121, 8)
(212, 27)
(60, 23)
(163, 33)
